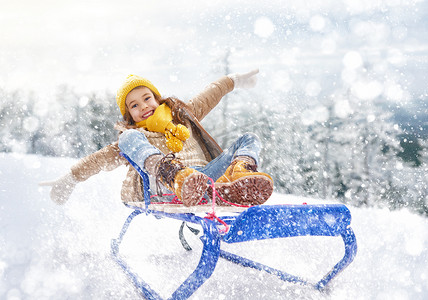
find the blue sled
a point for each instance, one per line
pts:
(256, 223)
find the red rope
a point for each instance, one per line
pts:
(211, 215)
(230, 203)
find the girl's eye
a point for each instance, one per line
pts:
(147, 99)
(134, 106)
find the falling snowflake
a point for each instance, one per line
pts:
(263, 27)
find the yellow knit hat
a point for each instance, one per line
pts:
(131, 82)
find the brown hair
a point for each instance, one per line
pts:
(177, 108)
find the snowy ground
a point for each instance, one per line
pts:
(63, 252)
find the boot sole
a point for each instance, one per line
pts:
(248, 190)
(193, 188)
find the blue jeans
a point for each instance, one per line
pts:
(135, 145)
(246, 145)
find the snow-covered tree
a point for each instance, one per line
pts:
(102, 114)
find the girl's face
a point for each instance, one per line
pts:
(141, 103)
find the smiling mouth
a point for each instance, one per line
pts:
(147, 114)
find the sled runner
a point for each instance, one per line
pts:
(241, 224)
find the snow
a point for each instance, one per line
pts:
(352, 60)
(62, 252)
(263, 27)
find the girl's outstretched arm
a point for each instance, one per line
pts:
(203, 103)
(105, 159)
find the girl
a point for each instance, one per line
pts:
(163, 137)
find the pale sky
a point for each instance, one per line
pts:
(93, 45)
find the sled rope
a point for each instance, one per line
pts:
(211, 215)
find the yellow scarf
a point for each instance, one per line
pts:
(161, 121)
(142, 124)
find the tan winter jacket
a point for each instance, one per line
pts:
(198, 150)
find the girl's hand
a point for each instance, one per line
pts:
(246, 80)
(61, 188)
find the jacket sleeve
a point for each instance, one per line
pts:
(106, 159)
(203, 103)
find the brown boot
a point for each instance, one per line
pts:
(188, 184)
(242, 184)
